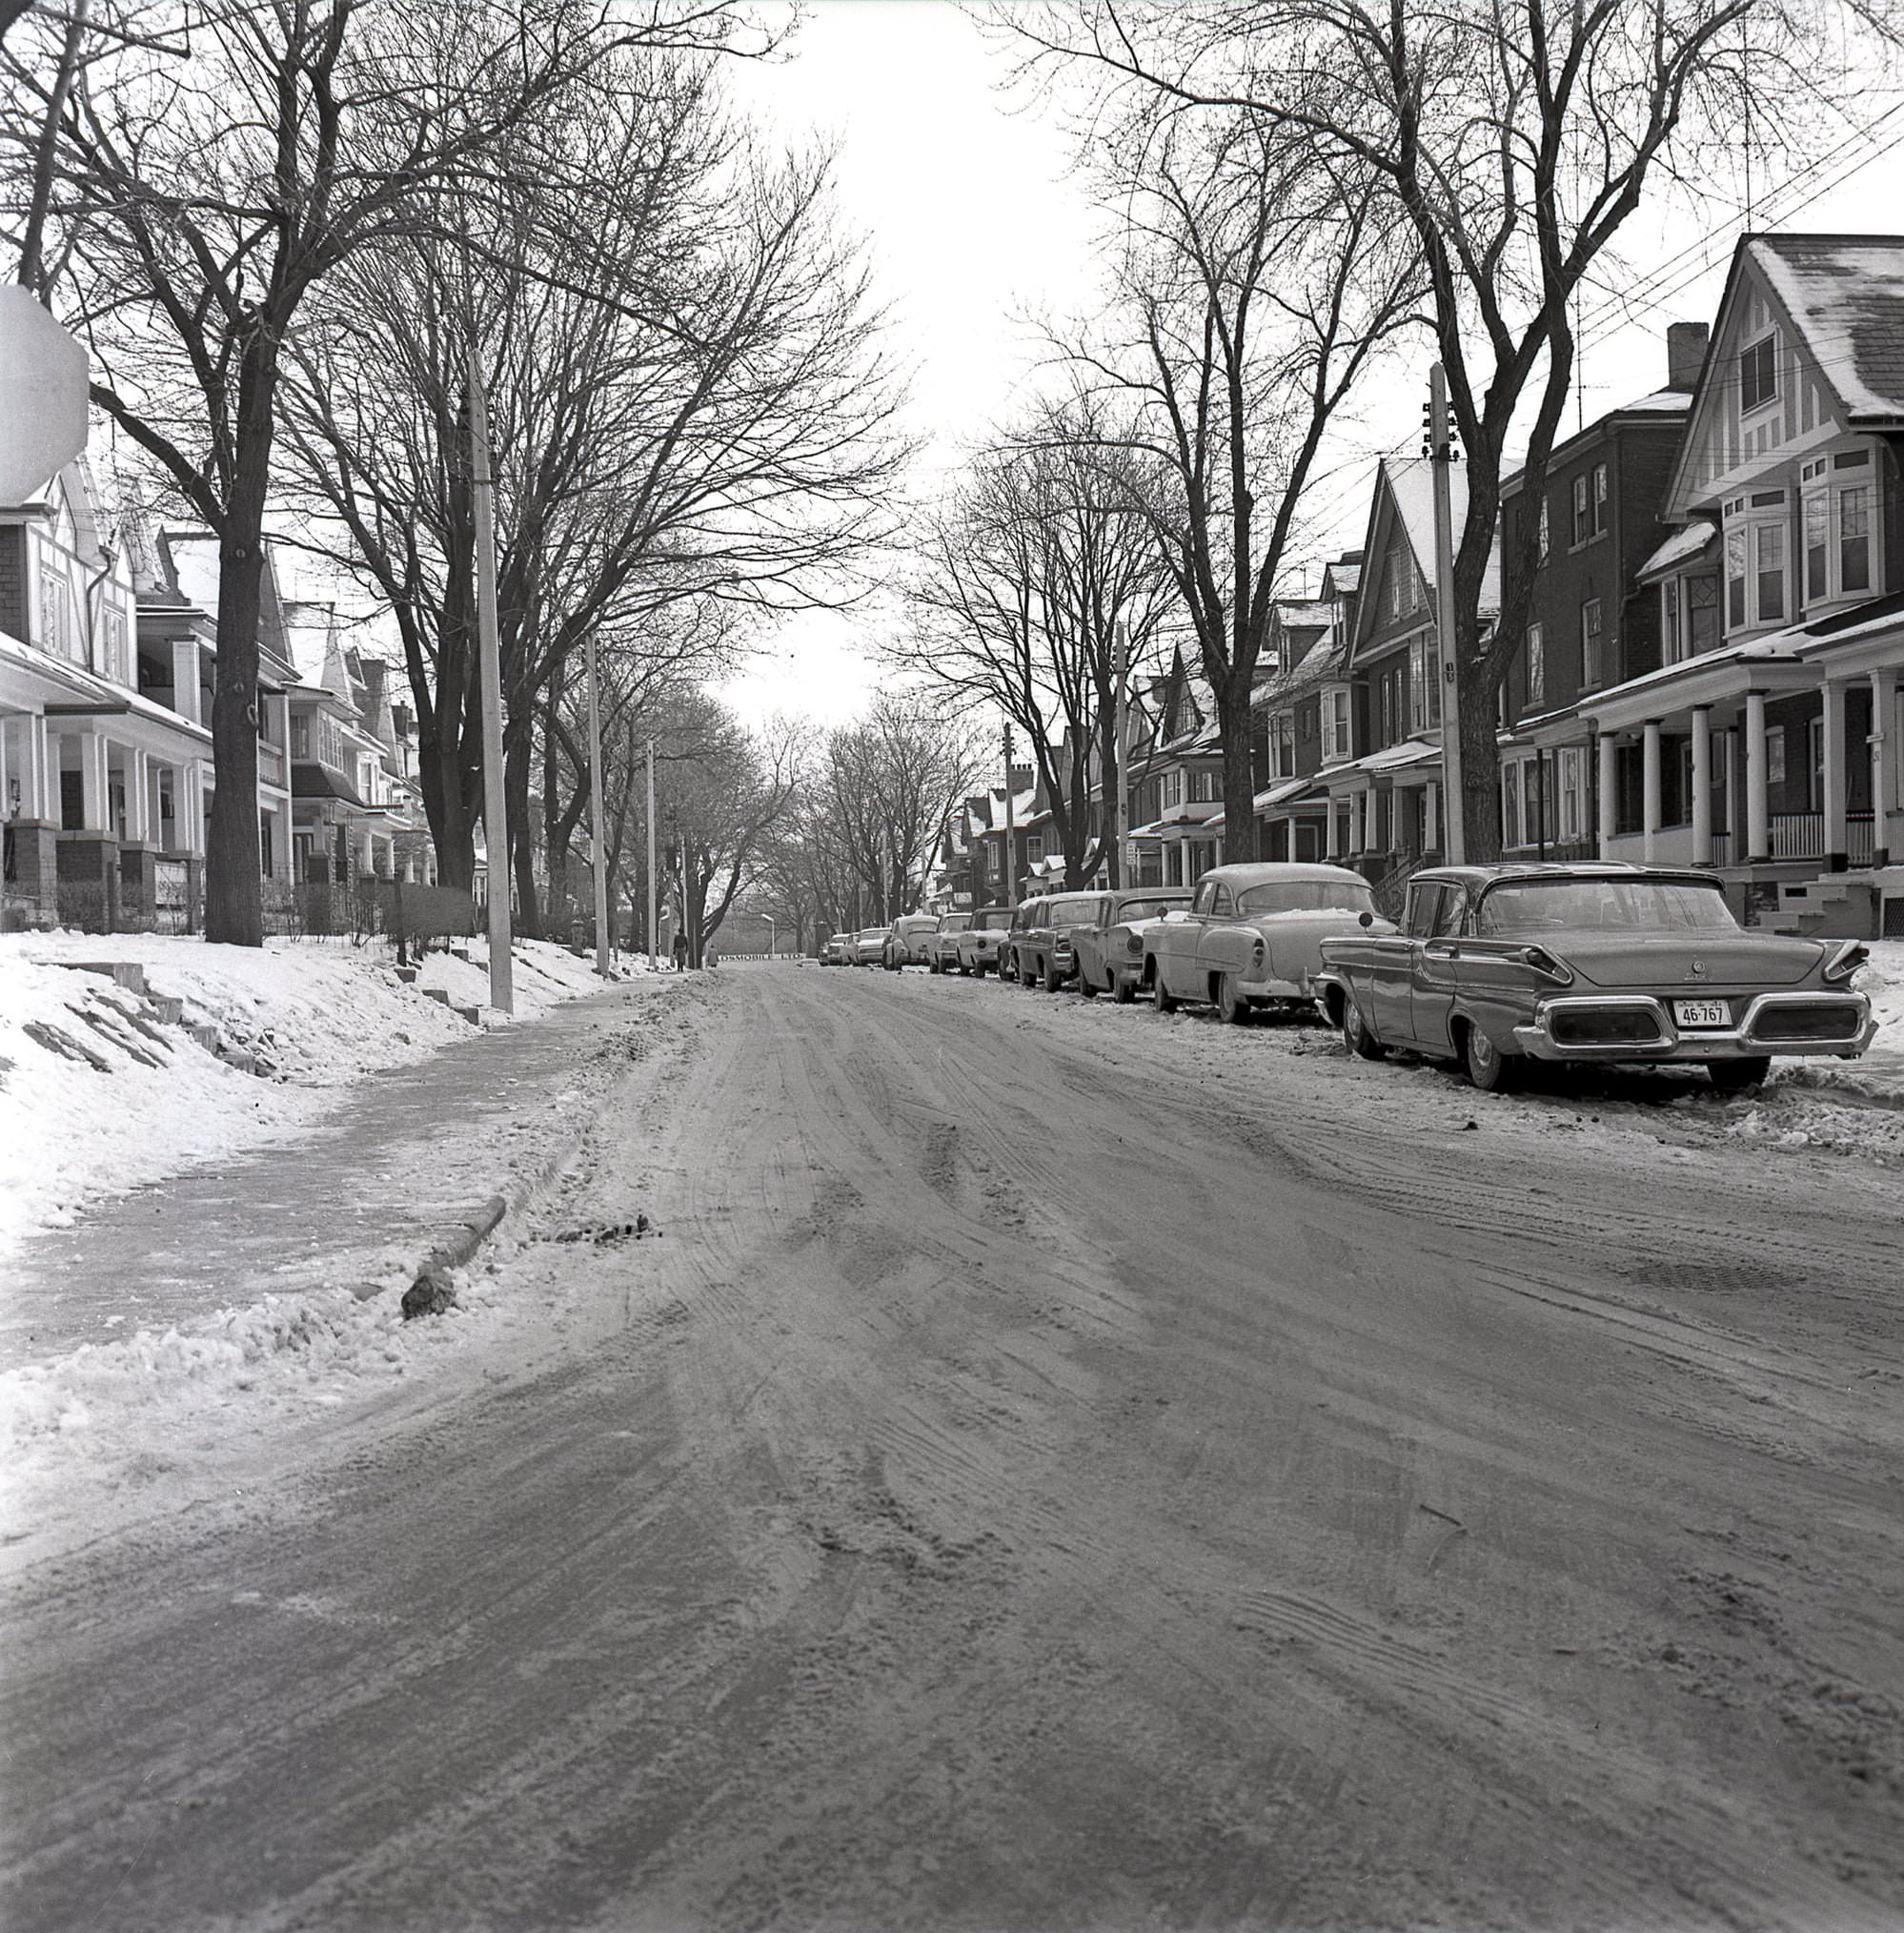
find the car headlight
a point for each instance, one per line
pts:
(1841, 967)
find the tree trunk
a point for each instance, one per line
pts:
(234, 888)
(1238, 776)
(517, 760)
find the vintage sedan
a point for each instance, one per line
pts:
(1499, 966)
(869, 946)
(942, 948)
(837, 952)
(979, 945)
(1110, 947)
(1253, 934)
(905, 943)
(1048, 954)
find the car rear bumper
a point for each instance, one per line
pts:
(1632, 1027)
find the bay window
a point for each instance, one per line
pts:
(1335, 724)
(1757, 559)
(1425, 683)
(1837, 527)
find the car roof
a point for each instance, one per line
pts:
(1266, 872)
(1554, 868)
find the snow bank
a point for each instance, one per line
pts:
(316, 1015)
(1880, 1076)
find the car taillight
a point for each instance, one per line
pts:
(1844, 963)
(1540, 960)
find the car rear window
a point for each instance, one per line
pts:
(1065, 912)
(990, 922)
(1309, 896)
(1636, 905)
(1151, 909)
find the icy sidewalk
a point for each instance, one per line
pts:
(353, 1203)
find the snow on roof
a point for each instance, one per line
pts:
(1412, 483)
(1681, 547)
(1846, 295)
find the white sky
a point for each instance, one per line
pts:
(974, 223)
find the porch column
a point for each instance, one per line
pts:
(189, 806)
(1702, 785)
(1758, 809)
(1837, 843)
(1609, 785)
(138, 796)
(1431, 817)
(1734, 832)
(94, 798)
(1649, 792)
(1883, 762)
(185, 678)
(5, 773)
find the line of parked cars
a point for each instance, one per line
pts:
(1491, 968)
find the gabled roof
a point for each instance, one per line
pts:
(1844, 296)
(1404, 497)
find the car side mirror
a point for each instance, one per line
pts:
(1364, 919)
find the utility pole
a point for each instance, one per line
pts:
(1011, 831)
(1441, 453)
(1121, 819)
(594, 790)
(653, 913)
(494, 814)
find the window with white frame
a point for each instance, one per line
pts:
(1569, 768)
(1424, 682)
(1758, 374)
(1283, 746)
(1202, 787)
(1758, 560)
(1335, 733)
(1536, 666)
(1592, 646)
(1170, 790)
(1671, 636)
(1034, 847)
(118, 660)
(1511, 804)
(1835, 521)
(56, 613)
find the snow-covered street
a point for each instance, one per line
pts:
(1054, 1464)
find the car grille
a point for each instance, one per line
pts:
(1813, 1020)
(1603, 1027)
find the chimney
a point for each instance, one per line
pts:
(1021, 778)
(1685, 351)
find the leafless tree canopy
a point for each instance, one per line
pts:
(1510, 145)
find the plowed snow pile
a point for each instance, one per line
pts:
(98, 1094)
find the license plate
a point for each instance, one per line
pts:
(1701, 1013)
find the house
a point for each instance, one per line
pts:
(1381, 733)
(1309, 640)
(1594, 618)
(177, 578)
(1174, 770)
(1765, 742)
(104, 746)
(355, 810)
(972, 865)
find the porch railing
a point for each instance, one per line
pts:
(1801, 835)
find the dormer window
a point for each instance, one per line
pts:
(1758, 374)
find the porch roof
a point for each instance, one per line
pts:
(1285, 789)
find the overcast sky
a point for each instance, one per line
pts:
(974, 221)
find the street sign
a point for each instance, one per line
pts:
(42, 396)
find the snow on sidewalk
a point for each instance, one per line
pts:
(317, 1015)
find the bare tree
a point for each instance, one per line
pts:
(1512, 143)
(690, 405)
(203, 193)
(1257, 285)
(1025, 578)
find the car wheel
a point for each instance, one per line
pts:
(1085, 987)
(1231, 1003)
(1732, 1077)
(1026, 975)
(1488, 1069)
(1123, 991)
(1355, 1034)
(1160, 996)
(1052, 981)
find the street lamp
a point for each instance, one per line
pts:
(773, 934)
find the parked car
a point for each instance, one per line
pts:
(1047, 953)
(942, 948)
(979, 944)
(1025, 918)
(1498, 966)
(1110, 947)
(837, 952)
(869, 946)
(1253, 936)
(905, 941)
